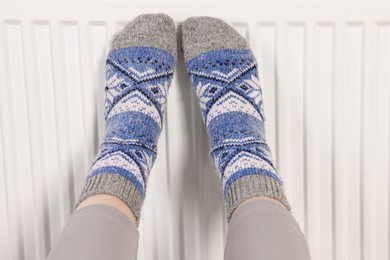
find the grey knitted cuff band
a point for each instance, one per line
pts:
(116, 185)
(251, 186)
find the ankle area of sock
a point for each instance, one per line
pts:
(251, 186)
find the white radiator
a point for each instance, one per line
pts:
(325, 73)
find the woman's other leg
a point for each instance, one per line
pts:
(263, 229)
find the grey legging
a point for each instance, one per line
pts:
(259, 229)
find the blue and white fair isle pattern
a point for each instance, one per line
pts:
(137, 81)
(230, 97)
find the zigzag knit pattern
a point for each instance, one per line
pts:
(137, 81)
(230, 97)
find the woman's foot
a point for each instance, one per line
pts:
(139, 70)
(224, 73)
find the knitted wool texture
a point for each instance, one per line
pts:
(139, 70)
(224, 74)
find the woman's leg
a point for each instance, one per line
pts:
(262, 228)
(139, 70)
(109, 200)
(97, 231)
(224, 73)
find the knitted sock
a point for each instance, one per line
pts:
(224, 73)
(139, 70)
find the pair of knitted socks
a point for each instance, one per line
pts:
(223, 70)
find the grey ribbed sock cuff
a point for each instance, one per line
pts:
(251, 186)
(116, 185)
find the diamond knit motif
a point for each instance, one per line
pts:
(137, 81)
(230, 97)
(139, 71)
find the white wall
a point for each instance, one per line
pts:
(325, 72)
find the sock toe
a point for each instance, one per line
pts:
(203, 33)
(153, 30)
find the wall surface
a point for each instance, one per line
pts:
(325, 73)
